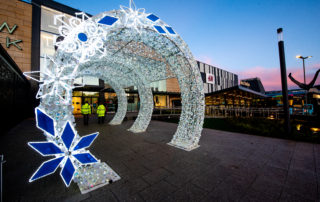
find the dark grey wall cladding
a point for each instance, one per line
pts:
(15, 99)
(222, 79)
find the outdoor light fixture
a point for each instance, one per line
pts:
(298, 126)
(125, 48)
(280, 34)
(315, 130)
(304, 73)
(301, 57)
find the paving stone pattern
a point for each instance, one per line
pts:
(227, 167)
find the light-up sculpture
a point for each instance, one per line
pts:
(69, 150)
(125, 47)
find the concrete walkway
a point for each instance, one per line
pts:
(227, 167)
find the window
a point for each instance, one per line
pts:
(47, 20)
(159, 85)
(49, 34)
(88, 80)
(47, 44)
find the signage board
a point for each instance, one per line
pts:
(210, 78)
(244, 83)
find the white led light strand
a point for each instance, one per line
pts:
(125, 48)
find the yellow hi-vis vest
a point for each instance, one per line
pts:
(86, 109)
(101, 110)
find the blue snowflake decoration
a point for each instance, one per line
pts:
(69, 151)
(45, 122)
(108, 20)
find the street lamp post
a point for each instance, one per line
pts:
(304, 73)
(284, 84)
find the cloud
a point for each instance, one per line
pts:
(270, 77)
(208, 60)
(205, 59)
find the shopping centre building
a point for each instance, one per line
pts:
(28, 33)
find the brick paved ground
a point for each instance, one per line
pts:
(227, 167)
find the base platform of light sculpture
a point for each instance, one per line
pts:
(95, 176)
(133, 130)
(183, 147)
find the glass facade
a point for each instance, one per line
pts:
(159, 86)
(220, 79)
(49, 34)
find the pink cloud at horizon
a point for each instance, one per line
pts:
(270, 77)
(205, 59)
(208, 60)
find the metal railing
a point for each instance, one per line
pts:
(214, 111)
(167, 111)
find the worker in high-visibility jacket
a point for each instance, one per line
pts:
(86, 110)
(101, 111)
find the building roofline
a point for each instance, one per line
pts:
(216, 67)
(57, 6)
(238, 87)
(12, 64)
(249, 79)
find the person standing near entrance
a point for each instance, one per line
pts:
(86, 110)
(101, 111)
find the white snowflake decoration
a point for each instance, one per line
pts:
(83, 37)
(55, 81)
(133, 17)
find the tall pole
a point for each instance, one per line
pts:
(304, 75)
(304, 80)
(284, 82)
(304, 71)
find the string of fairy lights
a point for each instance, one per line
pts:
(125, 47)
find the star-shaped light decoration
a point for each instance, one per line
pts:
(133, 17)
(69, 150)
(55, 81)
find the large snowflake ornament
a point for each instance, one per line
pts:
(55, 81)
(133, 17)
(82, 36)
(69, 150)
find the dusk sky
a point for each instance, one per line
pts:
(238, 36)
